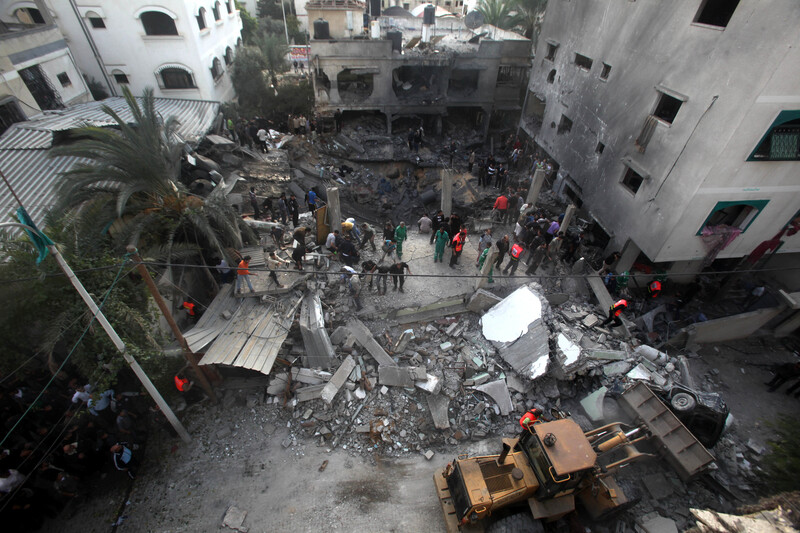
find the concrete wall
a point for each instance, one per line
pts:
(735, 80)
(342, 23)
(125, 48)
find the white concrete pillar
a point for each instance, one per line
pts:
(568, 214)
(447, 192)
(334, 209)
(628, 257)
(536, 185)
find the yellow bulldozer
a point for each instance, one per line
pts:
(542, 474)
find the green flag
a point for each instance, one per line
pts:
(39, 239)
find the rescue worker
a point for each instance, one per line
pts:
(191, 310)
(514, 256)
(458, 246)
(442, 238)
(614, 312)
(654, 288)
(400, 235)
(482, 260)
(436, 223)
(530, 418)
(182, 384)
(243, 274)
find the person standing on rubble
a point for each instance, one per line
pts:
(436, 223)
(485, 241)
(397, 272)
(410, 139)
(400, 235)
(283, 208)
(442, 238)
(452, 151)
(243, 274)
(388, 231)
(458, 246)
(502, 250)
(330, 242)
(273, 263)
(254, 203)
(348, 252)
(614, 313)
(417, 139)
(337, 119)
(262, 139)
(471, 161)
(311, 200)
(491, 173)
(294, 210)
(499, 208)
(368, 236)
(514, 255)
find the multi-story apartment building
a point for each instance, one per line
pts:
(676, 125)
(37, 70)
(180, 48)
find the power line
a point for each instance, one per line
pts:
(59, 274)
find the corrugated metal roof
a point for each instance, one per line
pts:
(24, 146)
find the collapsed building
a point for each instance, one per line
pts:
(415, 72)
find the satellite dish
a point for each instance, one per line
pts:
(474, 19)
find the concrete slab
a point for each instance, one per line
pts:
(431, 384)
(312, 392)
(437, 403)
(498, 391)
(338, 379)
(569, 352)
(310, 376)
(616, 368)
(234, 518)
(446, 307)
(482, 300)
(517, 384)
(340, 335)
(365, 339)
(607, 355)
(593, 404)
(658, 524)
(402, 342)
(510, 319)
(590, 320)
(557, 298)
(395, 376)
(658, 486)
(319, 349)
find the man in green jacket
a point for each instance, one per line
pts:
(400, 235)
(442, 239)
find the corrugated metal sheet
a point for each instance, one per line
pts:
(24, 147)
(211, 324)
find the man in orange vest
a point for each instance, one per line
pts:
(530, 418)
(513, 257)
(182, 383)
(458, 246)
(243, 272)
(190, 308)
(654, 288)
(614, 312)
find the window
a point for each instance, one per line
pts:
(228, 56)
(216, 68)
(10, 113)
(201, 19)
(157, 23)
(605, 72)
(551, 51)
(667, 108)
(29, 15)
(176, 78)
(551, 76)
(583, 62)
(632, 180)
(63, 79)
(97, 23)
(215, 10)
(599, 148)
(238, 42)
(229, 6)
(737, 214)
(121, 78)
(40, 87)
(782, 140)
(564, 126)
(716, 12)
(406, 6)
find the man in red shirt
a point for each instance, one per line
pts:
(500, 207)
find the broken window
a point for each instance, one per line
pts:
(157, 23)
(63, 79)
(632, 180)
(564, 126)
(29, 15)
(10, 113)
(583, 62)
(418, 82)
(667, 108)
(354, 85)
(513, 76)
(716, 12)
(599, 148)
(551, 76)
(734, 214)
(39, 86)
(782, 140)
(463, 82)
(551, 51)
(605, 72)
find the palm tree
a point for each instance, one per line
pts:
(275, 50)
(496, 12)
(528, 16)
(131, 188)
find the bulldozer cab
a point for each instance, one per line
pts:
(559, 455)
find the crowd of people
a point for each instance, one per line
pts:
(55, 446)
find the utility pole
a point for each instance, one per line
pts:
(187, 352)
(100, 317)
(285, 26)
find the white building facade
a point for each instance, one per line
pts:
(180, 48)
(37, 69)
(673, 123)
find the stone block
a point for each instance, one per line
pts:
(482, 300)
(312, 392)
(339, 377)
(310, 376)
(319, 349)
(429, 454)
(395, 376)
(590, 320)
(340, 335)
(593, 404)
(431, 384)
(365, 339)
(234, 518)
(498, 391)
(437, 404)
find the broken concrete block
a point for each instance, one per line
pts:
(319, 349)
(418, 373)
(517, 384)
(446, 346)
(365, 339)
(557, 298)
(405, 337)
(657, 524)
(226, 315)
(339, 335)
(277, 385)
(437, 404)
(431, 384)
(607, 355)
(616, 368)
(384, 389)
(429, 454)
(498, 391)
(234, 518)
(310, 376)
(395, 376)
(593, 404)
(482, 300)
(338, 379)
(641, 372)
(570, 352)
(590, 320)
(312, 392)
(478, 379)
